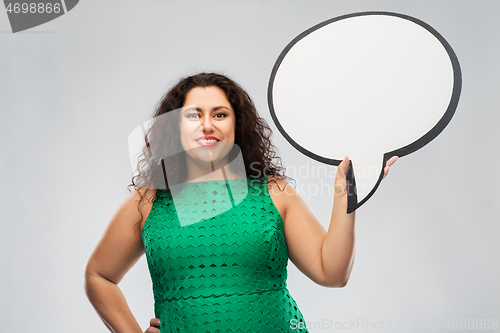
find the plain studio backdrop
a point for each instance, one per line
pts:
(74, 88)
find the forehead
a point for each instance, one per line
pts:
(207, 97)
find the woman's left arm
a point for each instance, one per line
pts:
(326, 257)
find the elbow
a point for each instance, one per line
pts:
(87, 280)
(91, 280)
(340, 284)
(337, 282)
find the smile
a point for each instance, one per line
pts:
(208, 141)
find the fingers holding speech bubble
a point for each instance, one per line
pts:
(368, 85)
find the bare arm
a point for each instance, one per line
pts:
(118, 250)
(326, 257)
(338, 248)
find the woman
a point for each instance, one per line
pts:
(226, 272)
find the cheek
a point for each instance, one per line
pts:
(229, 131)
(232, 129)
(186, 129)
(182, 131)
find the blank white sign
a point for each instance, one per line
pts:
(367, 85)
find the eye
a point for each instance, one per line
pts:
(220, 115)
(192, 115)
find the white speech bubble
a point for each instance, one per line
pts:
(367, 85)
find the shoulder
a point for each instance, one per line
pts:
(278, 186)
(121, 245)
(282, 193)
(138, 204)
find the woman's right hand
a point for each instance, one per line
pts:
(154, 326)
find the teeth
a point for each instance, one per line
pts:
(207, 141)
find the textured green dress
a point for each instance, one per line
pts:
(217, 256)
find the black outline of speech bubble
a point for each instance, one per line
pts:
(352, 202)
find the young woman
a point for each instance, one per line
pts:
(226, 272)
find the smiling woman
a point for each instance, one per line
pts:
(207, 120)
(193, 113)
(225, 272)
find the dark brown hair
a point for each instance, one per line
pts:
(252, 134)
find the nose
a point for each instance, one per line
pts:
(206, 124)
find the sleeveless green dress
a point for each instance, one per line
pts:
(225, 272)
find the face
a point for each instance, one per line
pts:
(207, 126)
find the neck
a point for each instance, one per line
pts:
(212, 171)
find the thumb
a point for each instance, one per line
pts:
(340, 178)
(342, 168)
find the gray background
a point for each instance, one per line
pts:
(74, 88)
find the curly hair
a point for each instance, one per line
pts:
(252, 136)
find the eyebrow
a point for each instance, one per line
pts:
(213, 109)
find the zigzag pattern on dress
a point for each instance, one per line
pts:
(223, 273)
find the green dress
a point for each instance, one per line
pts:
(217, 256)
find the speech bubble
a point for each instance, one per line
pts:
(216, 184)
(368, 85)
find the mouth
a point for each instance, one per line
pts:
(207, 141)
